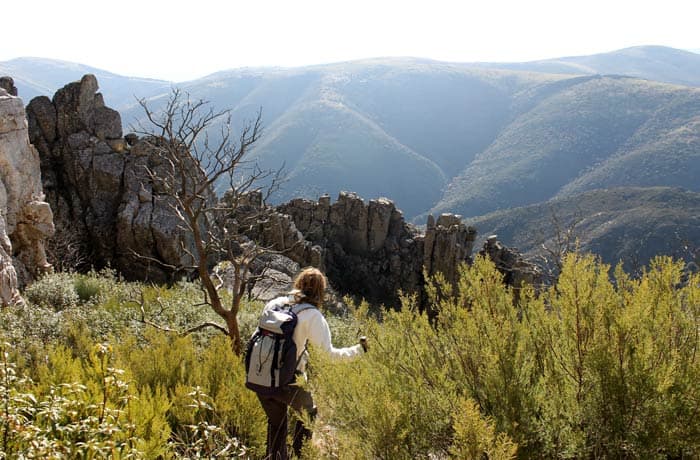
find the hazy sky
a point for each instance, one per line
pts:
(178, 40)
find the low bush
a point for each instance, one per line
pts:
(55, 291)
(92, 285)
(588, 369)
(95, 414)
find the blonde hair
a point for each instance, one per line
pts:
(310, 286)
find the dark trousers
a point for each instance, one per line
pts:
(276, 409)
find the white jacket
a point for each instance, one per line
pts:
(313, 329)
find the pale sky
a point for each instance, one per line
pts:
(180, 40)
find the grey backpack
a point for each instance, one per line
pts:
(271, 354)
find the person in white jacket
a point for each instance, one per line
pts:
(311, 329)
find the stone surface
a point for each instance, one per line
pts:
(8, 84)
(368, 250)
(26, 220)
(97, 184)
(516, 270)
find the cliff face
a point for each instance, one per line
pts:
(26, 220)
(98, 186)
(368, 249)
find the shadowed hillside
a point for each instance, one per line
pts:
(400, 128)
(335, 148)
(630, 224)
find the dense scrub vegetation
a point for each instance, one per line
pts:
(587, 369)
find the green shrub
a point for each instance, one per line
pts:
(588, 369)
(55, 291)
(617, 376)
(387, 404)
(173, 365)
(222, 375)
(200, 438)
(96, 418)
(29, 326)
(88, 287)
(476, 437)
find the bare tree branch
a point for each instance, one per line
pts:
(164, 328)
(564, 241)
(192, 159)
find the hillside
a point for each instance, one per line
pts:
(630, 224)
(399, 128)
(656, 63)
(439, 137)
(591, 132)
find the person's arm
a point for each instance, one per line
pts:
(319, 335)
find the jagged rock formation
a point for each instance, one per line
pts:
(8, 84)
(96, 182)
(369, 249)
(25, 218)
(516, 270)
(448, 243)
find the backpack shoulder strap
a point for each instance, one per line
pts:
(298, 308)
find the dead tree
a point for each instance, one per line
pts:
(564, 240)
(195, 153)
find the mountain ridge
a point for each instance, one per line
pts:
(458, 137)
(35, 76)
(658, 63)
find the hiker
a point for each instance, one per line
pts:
(311, 328)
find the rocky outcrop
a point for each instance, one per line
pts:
(8, 84)
(515, 269)
(448, 243)
(368, 249)
(25, 218)
(97, 183)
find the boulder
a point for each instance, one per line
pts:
(8, 84)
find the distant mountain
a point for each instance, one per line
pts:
(439, 137)
(656, 63)
(630, 224)
(38, 76)
(400, 128)
(580, 134)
